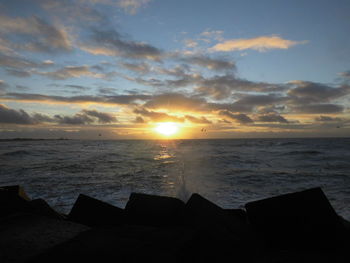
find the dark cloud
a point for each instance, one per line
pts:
(175, 101)
(211, 63)
(16, 62)
(238, 117)
(40, 118)
(11, 116)
(80, 12)
(180, 71)
(34, 34)
(318, 108)
(3, 85)
(271, 109)
(142, 68)
(345, 74)
(311, 92)
(224, 121)
(77, 119)
(22, 88)
(111, 43)
(78, 87)
(218, 87)
(201, 120)
(166, 101)
(71, 72)
(157, 116)
(115, 100)
(132, 6)
(107, 91)
(327, 119)
(248, 103)
(102, 117)
(221, 87)
(139, 119)
(18, 73)
(271, 117)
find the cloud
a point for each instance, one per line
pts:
(102, 117)
(327, 119)
(307, 92)
(248, 103)
(157, 116)
(71, 72)
(238, 117)
(77, 119)
(201, 120)
(85, 117)
(221, 87)
(190, 43)
(262, 43)
(77, 87)
(40, 118)
(48, 62)
(175, 101)
(111, 43)
(271, 117)
(210, 35)
(165, 101)
(3, 85)
(345, 74)
(142, 68)
(10, 116)
(139, 119)
(16, 62)
(218, 87)
(210, 63)
(132, 6)
(318, 108)
(34, 34)
(18, 73)
(110, 100)
(78, 12)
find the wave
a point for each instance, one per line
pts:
(288, 143)
(16, 153)
(307, 152)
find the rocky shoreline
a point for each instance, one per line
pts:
(295, 227)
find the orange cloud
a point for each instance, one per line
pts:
(259, 43)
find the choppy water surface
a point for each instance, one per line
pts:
(228, 172)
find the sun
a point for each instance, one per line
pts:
(167, 128)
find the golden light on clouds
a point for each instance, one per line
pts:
(262, 43)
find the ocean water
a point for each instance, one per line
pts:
(228, 172)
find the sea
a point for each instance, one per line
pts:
(229, 172)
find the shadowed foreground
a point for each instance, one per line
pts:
(296, 227)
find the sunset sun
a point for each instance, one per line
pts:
(167, 128)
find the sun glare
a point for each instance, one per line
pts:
(167, 128)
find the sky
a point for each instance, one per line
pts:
(117, 69)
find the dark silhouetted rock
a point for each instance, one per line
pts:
(119, 244)
(199, 207)
(17, 190)
(221, 234)
(200, 211)
(302, 219)
(23, 236)
(151, 210)
(11, 202)
(41, 207)
(92, 212)
(238, 214)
